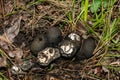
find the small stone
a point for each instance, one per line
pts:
(46, 56)
(68, 48)
(38, 44)
(54, 36)
(26, 65)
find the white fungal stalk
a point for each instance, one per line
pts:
(68, 48)
(48, 55)
(74, 37)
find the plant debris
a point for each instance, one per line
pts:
(59, 40)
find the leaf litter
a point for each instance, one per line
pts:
(7, 39)
(23, 29)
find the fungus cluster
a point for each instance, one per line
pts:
(50, 46)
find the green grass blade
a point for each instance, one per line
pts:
(86, 10)
(2, 77)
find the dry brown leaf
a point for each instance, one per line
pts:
(3, 62)
(3, 44)
(8, 38)
(16, 53)
(13, 31)
(8, 6)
